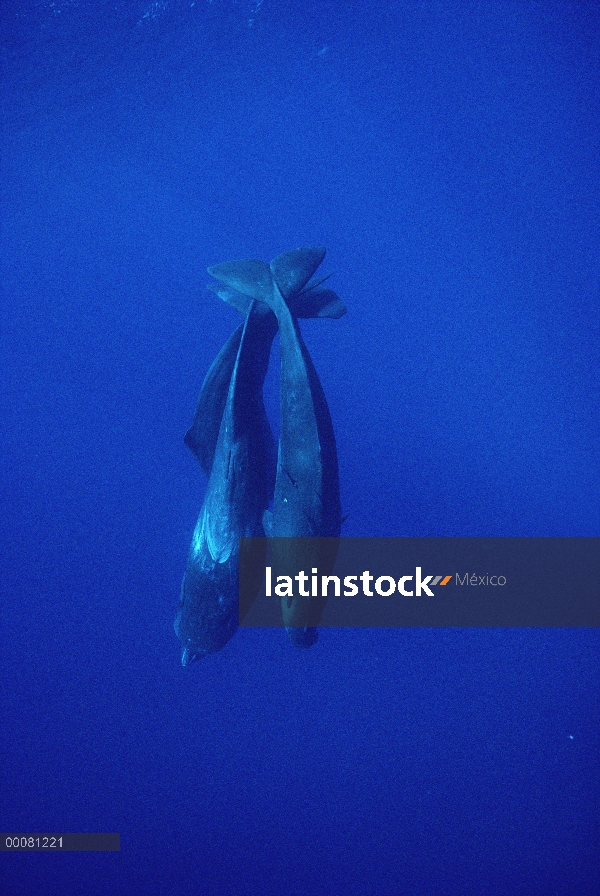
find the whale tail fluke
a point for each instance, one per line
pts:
(310, 303)
(248, 276)
(242, 281)
(293, 270)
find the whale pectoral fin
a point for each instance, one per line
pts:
(248, 276)
(293, 270)
(267, 522)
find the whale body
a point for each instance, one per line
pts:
(240, 453)
(306, 497)
(232, 439)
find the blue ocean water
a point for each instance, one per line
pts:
(446, 153)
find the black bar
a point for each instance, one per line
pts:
(424, 582)
(60, 842)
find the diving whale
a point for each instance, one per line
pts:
(306, 500)
(231, 438)
(239, 451)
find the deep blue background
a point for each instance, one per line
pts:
(447, 155)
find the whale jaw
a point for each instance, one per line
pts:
(189, 656)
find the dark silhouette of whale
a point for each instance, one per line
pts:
(231, 437)
(241, 459)
(306, 501)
